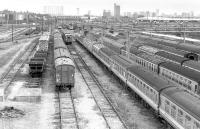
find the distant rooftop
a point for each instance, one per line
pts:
(168, 19)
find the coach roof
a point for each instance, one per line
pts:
(189, 73)
(185, 100)
(153, 80)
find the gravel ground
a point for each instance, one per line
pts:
(89, 116)
(132, 111)
(7, 55)
(10, 51)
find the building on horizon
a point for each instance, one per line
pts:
(116, 11)
(157, 13)
(54, 10)
(106, 13)
(128, 14)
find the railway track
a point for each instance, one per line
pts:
(108, 111)
(18, 37)
(68, 118)
(65, 107)
(10, 76)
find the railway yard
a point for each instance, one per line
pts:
(91, 78)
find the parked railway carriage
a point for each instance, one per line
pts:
(96, 48)
(64, 67)
(58, 42)
(153, 64)
(146, 84)
(105, 54)
(187, 78)
(148, 49)
(192, 65)
(149, 62)
(65, 70)
(89, 43)
(36, 66)
(79, 39)
(180, 109)
(68, 38)
(172, 58)
(168, 49)
(165, 56)
(168, 54)
(45, 37)
(120, 65)
(193, 53)
(150, 87)
(61, 52)
(112, 45)
(38, 61)
(184, 49)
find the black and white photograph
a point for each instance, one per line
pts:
(100, 64)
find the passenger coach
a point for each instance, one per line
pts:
(64, 65)
(173, 103)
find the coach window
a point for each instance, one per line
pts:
(156, 97)
(129, 75)
(124, 73)
(167, 106)
(188, 122)
(132, 79)
(180, 82)
(143, 88)
(140, 83)
(172, 76)
(176, 78)
(180, 116)
(144, 64)
(196, 125)
(195, 88)
(147, 93)
(135, 81)
(173, 111)
(151, 94)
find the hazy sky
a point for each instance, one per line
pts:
(97, 6)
